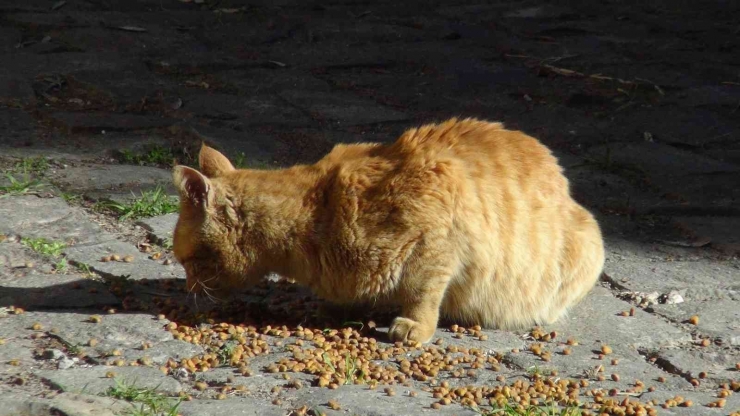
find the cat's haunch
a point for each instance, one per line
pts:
(462, 218)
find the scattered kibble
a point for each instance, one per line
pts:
(37, 326)
(201, 386)
(606, 350)
(115, 257)
(615, 377)
(110, 374)
(705, 342)
(96, 319)
(694, 320)
(334, 405)
(128, 259)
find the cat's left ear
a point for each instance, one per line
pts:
(212, 162)
(193, 187)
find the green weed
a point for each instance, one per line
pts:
(149, 401)
(70, 198)
(18, 187)
(519, 410)
(61, 265)
(148, 204)
(156, 155)
(44, 247)
(85, 268)
(226, 352)
(38, 165)
(240, 162)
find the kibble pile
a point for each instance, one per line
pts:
(279, 318)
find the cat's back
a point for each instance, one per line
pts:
(483, 152)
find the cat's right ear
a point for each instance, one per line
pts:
(193, 187)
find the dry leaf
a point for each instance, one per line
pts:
(131, 28)
(58, 4)
(564, 72)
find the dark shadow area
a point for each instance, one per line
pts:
(640, 100)
(273, 304)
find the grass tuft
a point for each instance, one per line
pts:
(37, 165)
(156, 155)
(44, 246)
(148, 204)
(149, 401)
(19, 187)
(519, 410)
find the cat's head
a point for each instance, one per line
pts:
(206, 234)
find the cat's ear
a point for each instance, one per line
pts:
(192, 186)
(212, 162)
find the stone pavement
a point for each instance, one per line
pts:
(640, 100)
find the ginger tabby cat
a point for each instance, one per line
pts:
(462, 218)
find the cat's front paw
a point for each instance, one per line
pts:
(404, 329)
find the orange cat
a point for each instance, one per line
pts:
(462, 218)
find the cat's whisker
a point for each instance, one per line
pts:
(210, 296)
